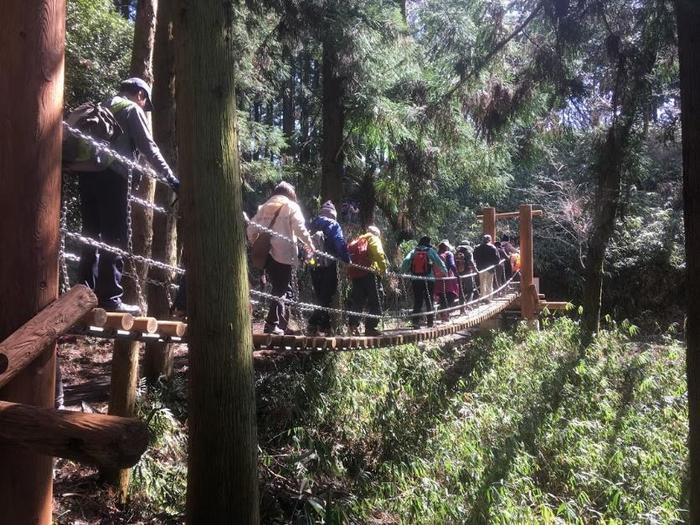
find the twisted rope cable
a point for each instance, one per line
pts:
(102, 147)
(412, 277)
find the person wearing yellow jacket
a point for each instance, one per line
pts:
(366, 287)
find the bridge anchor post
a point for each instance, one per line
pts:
(528, 292)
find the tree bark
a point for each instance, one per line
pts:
(689, 57)
(158, 357)
(222, 483)
(303, 146)
(288, 120)
(23, 346)
(92, 439)
(142, 217)
(32, 40)
(333, 110)
(368, 198)
(126, 353)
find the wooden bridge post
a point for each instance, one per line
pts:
(528, 297)
(32, 36)
(489, 220)
(122, 402)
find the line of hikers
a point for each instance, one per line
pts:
(276, 256)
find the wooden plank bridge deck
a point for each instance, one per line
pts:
(125, 326)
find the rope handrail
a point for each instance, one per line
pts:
(146, 170)
(374, 270)
(118, 251)
(310, 307)
(128, 254)
(115, 155)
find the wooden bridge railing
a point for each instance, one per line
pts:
(95, 439)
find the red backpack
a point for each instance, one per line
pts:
(359, 254)
(420, 265)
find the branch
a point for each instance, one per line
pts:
(498, 47)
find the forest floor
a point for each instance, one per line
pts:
(510, 427)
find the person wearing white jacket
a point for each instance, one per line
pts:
(284, 214)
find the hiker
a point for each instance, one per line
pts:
(366, 287)
(281, 214)
(507, 245)
(446, 291)
(422, 261)
(466, 269)
(486, 258)
(104, 193)
(327, 236)
(505, 271)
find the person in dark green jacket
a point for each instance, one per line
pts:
(104, 194)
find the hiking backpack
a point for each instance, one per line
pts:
(437, 271)
(359, 254)
(461, 262)
(98, 122)
(420, 264)
(319, 240)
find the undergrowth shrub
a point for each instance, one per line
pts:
(519, 427)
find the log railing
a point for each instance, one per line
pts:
(95, 439)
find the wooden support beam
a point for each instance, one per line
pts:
(512, 215)
(92, 439)
(119, 321)
(489, 222)
(528, 303)
(171, 328)
(95, 317)
(21, 348)
(32, 41)
(122, 401)
(146, 325)
(553, 305)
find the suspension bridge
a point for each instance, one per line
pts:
(519, 291)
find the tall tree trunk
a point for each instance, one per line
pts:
(142, 217)
(631, 91)
(257, 117)
(333, 110)
(269, 121)
(304, 146)
(32, 39)
(158, 358)
(288, 121)
(222, 482)
(368, 198)
(125, 355)
(607, 199)
(689, 56)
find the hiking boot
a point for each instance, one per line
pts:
(372, 332)
(274, 330)
(122, 308)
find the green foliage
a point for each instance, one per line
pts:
(98, 50)
(160, 477)
(514, 428)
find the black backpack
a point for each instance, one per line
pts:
(97, 121)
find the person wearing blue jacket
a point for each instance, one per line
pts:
(421, 261)
(327, 235)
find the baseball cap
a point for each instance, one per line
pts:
(141, 84)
